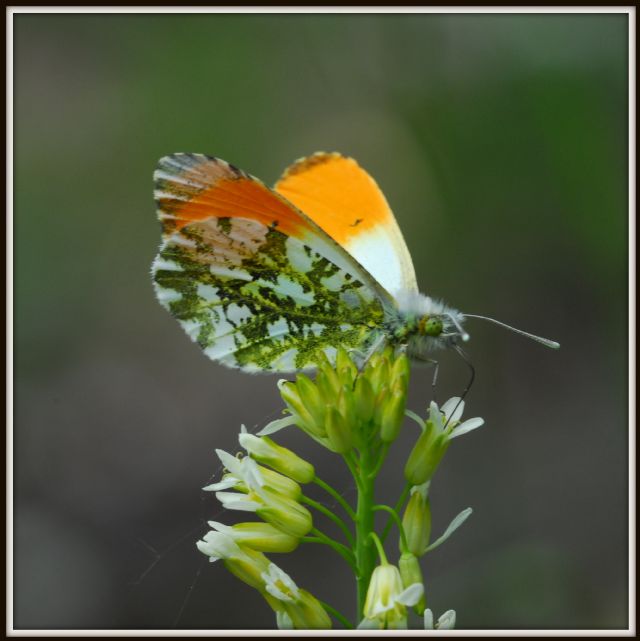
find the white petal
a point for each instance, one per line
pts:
(447, 621)
(225, 484)
(369, 624)
(428, 619)
(251, 473)
(276, 593)
(411, 595)
(235, 501)
(435, 416)
(380, 608)
(218, 545)
(416, 418)
(448, 406)
(467, 426)
(230, 462)
(423, 489)
(452, 404)
(276, 426)
(206, 549)
(220, 527)
(397, 624)
(453, 526)
(283, 621)
(288, 581)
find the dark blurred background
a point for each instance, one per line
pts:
(500, 142)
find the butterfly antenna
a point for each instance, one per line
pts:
(544, 341)
(463, 335)
(472, 370)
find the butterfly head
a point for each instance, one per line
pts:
(430, 325)
(424, 324)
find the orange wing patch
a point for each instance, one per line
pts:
(337, 194)
(202, 187)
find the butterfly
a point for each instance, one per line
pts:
(266, 280)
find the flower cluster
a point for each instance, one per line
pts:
(356, 413)
(344, 408)
(273, 494)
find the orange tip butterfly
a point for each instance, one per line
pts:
(267, 279)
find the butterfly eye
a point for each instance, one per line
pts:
(430, 326)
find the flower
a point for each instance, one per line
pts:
(281, 459)
(452, 413)
(248, 565)
(445, 622)
(411, 573)
(416, 520)
(441, 426)
(295, 608)
(269, 494)
(244, 473)
(262, 537)
(385, 605)
(279, 510)
(343, 406)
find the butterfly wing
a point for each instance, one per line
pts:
(254, 281)
(338, 195)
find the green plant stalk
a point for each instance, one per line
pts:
(398, 521)
(338, 497)
(396, 509)
(364, 549)
(340, 617)
(329, 514)
(342, 550)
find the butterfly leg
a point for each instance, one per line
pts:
(366, 356)
(427, 362)
(472, 370)
(434, 382)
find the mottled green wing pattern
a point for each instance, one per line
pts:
(257, 299)
(256, 291)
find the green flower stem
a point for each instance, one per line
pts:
(364, 549)
(329, 514)
(379, 547)
(333, 612)
(352, 464)
(380, 456)
(325, 486)
(396, 518)
(396, 509)
(341, 549)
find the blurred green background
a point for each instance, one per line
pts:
(501, 144)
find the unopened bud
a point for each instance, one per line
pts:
(392, 416)
(345, 367)
(258, 536)
(416, 520)
(307, 613)
(379, 376)
(304, 420)
(281, 459)
(401, 370)
(411, 573)
(247, 564)
(346, 406)
(310, 396)
(426, 455)
(365, 400)
(280, 483)
(284, 513)
(339, 432)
